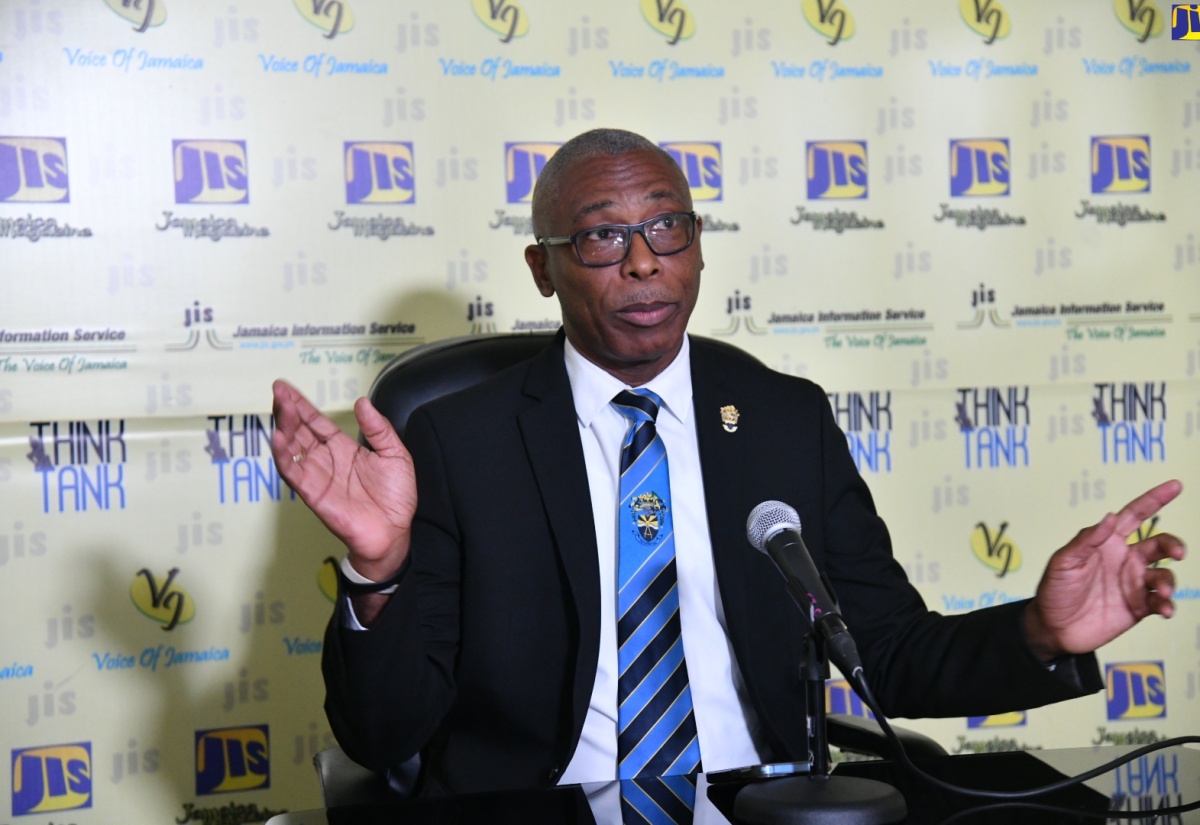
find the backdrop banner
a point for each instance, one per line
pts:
(975, 224)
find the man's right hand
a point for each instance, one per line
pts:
(367, 499)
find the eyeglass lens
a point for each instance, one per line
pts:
(665, 235)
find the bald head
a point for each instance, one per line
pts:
(556, 174)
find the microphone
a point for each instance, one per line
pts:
(773, 528)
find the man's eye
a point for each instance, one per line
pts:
(602, 233)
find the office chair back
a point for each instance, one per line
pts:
(442, 367)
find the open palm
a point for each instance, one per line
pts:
(366, 497)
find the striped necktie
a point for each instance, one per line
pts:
(658, 800)
(655, 722)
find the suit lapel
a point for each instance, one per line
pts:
(725, 465)
(551, 435)
(763, 626)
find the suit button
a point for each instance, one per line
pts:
(553, 774)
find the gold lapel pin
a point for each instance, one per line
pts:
(729, 418)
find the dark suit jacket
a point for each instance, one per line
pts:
(485, 657)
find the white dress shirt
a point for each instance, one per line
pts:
(725, 722)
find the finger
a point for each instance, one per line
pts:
(1160, 581)
(1146, 505)
(283, 407)
(1160, 603)
(1160, 547)
(1088, 540)
(377, 429)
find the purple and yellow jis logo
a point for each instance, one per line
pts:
(648, 514)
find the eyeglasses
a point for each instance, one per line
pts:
(609, 243)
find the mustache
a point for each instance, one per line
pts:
(652, 294)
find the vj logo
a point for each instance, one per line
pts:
(166, 603)
(210, 171)
(987, 18)
(670, 19)
(837, 169)
(979, 168)
(1120, 164)
(1141, 17)
(33, 170)
(504, 17)
(996, 550)
(330, 15)
(829, 19)
(381, 172)
(523, 162)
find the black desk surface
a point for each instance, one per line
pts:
(1168, 777)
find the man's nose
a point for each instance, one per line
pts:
(641, 262)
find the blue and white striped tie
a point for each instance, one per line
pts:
(655, 722)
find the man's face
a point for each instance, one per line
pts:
(628, 318)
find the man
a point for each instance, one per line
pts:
(494, 534)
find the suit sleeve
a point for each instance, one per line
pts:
(389, 687)
(918, 662)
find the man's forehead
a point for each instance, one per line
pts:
(603, 204)
(606, 182)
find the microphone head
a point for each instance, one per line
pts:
(767, 519)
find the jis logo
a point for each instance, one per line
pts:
(701, 165)
(1120, 165)
(1000, 720)
(523, 162)
(233, 759)
(1185, 22)
(1135, 690)
(979, 168)
(841, 698)
(33, 170)
(210, 171)
(380, 172)
(51, 778)
(837, 169)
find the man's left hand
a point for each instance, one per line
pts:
(1098, 585)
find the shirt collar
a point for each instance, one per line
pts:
(594, 389)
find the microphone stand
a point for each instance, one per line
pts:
(814, 796)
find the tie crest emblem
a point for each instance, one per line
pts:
(648, 513)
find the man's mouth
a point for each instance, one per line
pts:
(647, 314)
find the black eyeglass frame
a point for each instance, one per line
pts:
(630, 229)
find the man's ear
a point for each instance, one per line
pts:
(535, 258)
